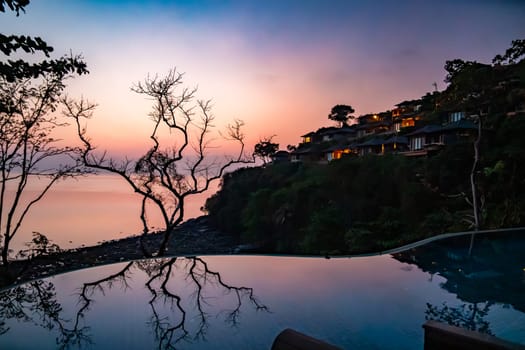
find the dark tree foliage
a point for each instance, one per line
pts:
(467, 316)
(513, 54)
(13, 69)
(314, 209)
(29, 96)
(489, 94)
(265, 148)
(369, 204)
(341, 114)
(14, 5)
(20, 69)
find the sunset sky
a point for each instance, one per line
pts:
(278, 65)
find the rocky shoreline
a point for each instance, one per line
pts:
(193, 237)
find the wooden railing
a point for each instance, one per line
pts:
(443, 336)
(293, 340)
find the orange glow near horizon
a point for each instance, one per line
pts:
(92, 209)
(265, 64)
(274, 72)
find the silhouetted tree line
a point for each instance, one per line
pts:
(352, 205)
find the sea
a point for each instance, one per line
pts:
(89, 210)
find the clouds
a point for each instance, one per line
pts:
(280, 65)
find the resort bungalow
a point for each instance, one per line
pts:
(337, 151)
(433, 137)
(309, 152)
(405, 115)
(280, 157)
(373, 124)
(459, 131)
(309, 137)
(395, 144)
(380, 145)
(423, 139)
(325, 144)
(344, 133)
(374, 145)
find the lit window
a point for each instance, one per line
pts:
(408, 122)
(417, 143)
(456, 116)
(337, 154)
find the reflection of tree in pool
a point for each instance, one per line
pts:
(469, 316)
(173, 326)
(36, 302)
(493, 272)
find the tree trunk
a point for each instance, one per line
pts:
(164, 244)
(5, 250)
(475, 206)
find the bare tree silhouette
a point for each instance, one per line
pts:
(166, 175)
(28, 150)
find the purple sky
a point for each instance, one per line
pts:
(278, 65)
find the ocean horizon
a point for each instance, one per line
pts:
(91, 209)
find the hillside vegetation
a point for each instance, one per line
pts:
(371, 203)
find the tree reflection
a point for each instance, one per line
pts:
(493, 272)
(171, 325)
(490, 273)
(36, 302)
(175, 306)
(469, 316)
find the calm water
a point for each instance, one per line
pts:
(90, 210)
(377, 302)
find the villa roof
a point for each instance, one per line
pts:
(342, 130)
(372, 142)
(374, 124)
(396, 139)
(409, 103)
(462, 124)
(336, 146)
(407, 115)
(429, 129)
(303, 148)
(311, 133)
(332, 130)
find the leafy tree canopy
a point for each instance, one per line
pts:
(458, 68)
(12, 70)
(514, 54)
(265, 148)
(13, 5)
(341, 113)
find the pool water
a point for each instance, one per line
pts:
(243, 302)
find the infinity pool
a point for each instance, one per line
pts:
(243, 302)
